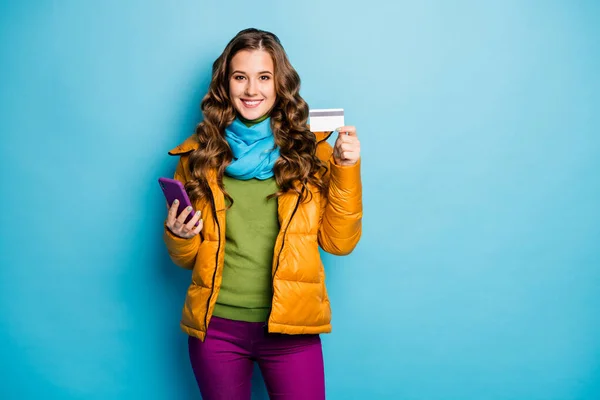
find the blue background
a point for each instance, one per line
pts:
(478, 275)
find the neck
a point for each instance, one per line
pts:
(251, 122)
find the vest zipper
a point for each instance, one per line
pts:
(266, 326)
(212, 289)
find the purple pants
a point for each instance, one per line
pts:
(291, 365)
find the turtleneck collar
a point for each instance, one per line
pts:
(250, 123)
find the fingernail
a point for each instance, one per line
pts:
(189, 208)
(198, 212)
(338, 130)
(176, 201)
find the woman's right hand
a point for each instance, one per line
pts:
(175, 223)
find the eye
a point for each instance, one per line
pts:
(265, 77)
(239, 77)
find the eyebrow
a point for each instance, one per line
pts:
(260, 73)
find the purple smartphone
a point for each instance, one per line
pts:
(173, 189)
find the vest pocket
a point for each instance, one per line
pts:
(205, 264)
(194, 309)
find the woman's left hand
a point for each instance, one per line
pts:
(346, 151)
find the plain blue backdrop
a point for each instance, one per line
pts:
(478, 274)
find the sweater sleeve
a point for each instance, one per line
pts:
(182, 251)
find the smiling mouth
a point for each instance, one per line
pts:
(251, 103)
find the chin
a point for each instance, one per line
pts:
(251, 115)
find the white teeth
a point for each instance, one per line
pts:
(251, 103)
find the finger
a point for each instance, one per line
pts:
(350, 156)
(349, 147)
(345, 141)
(337, 150)
(181, 218)
(172, 214)
(347, 155)
(176, 226)
(197, 229)
(343, 138)
(186, 234)
(348, 129)
(192, 222)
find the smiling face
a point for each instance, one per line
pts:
(252, 83)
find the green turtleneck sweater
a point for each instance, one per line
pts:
(249, 122)
(251, 229)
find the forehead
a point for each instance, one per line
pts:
(251, 61)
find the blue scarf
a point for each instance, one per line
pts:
(254, 150)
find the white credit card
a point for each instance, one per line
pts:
(326, 119)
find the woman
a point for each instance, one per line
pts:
(268, 192)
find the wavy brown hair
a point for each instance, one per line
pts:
(298, 161)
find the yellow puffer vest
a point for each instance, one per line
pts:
(300, 302)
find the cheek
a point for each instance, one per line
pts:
(269, 91)
(234, 89)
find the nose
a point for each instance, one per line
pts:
(250, 89)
